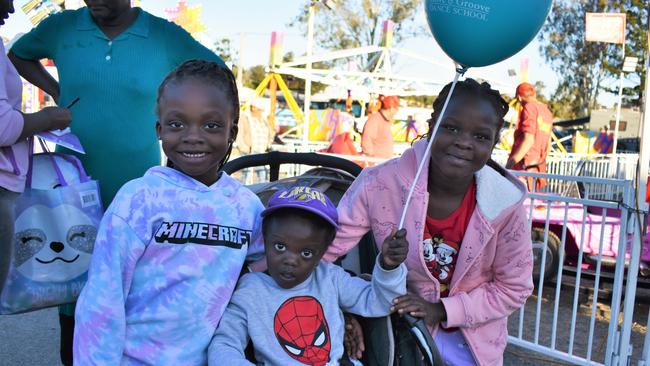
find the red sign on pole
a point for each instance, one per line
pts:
(605, 27)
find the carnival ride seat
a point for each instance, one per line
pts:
(390, 340)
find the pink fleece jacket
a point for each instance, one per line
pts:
(493, 277)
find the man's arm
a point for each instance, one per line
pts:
(527, 125)
(517, 155)
(35, 73)
(48, 118)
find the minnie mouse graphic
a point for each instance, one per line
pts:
(440, 257)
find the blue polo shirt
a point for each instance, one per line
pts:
(117, 81)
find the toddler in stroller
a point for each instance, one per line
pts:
(300, 317)
(388, 341)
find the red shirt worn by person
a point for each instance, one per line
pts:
(535, 118)
(443, 238)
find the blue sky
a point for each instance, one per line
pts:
(258, 18)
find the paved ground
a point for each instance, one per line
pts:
(33, 338)
(30, 339)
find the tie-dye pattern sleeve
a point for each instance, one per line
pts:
(256, 248)
(99, 335)
(231, 337)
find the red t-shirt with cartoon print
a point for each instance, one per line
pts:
(442, 240)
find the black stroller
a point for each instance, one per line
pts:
(389, 341)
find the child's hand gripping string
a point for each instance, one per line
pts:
(394, 250)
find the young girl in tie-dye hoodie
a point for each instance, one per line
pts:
(172, 244)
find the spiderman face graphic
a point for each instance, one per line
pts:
(301, 329)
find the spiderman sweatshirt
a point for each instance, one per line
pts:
(167, 257)
(302, 325)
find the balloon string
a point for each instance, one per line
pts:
(459, 71)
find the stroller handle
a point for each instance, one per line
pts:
(275, 158)
(424, 341)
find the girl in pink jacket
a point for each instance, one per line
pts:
(470, 258)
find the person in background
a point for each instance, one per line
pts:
(16, 131)
(255, 133)
(377, 136)
(255, 137)
(532, 136)
(113, 56)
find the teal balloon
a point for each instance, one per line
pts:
(478, 33)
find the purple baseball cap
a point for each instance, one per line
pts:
(304, 198)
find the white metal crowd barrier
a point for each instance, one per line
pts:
(559, 319)
(619, 166)
(612, 166)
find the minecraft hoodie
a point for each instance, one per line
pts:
(167, 257)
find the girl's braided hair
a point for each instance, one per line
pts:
(471, 87)
(210, 72)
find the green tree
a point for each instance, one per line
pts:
(635, 46)
(422, 101)
(539, 90)
(357, 23)
(254, 76)
(563, 102)
(223, 48)
(583, 66)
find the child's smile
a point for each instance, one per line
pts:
(196, 128)
(193, 155)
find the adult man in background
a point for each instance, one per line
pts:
(255, 136)
(255, 133)
(532, 136)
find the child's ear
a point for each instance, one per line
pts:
(158, 127)
(233, 132)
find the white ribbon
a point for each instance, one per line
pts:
(425, 159)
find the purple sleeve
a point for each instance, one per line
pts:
(11, 120)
